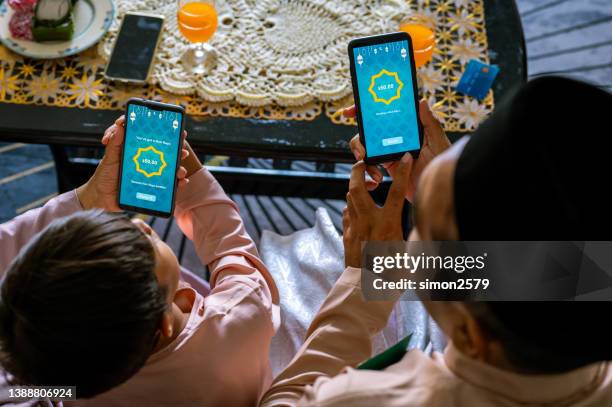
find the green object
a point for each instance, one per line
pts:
(388, 357)
(63, 32)
(53, 20)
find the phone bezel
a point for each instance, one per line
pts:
(150, 69)
(155, 106)
(376, 40)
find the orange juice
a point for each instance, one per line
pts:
(197, 21)
(423, 42)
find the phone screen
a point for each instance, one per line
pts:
(134, 48)
(386, 98)
(150, 155)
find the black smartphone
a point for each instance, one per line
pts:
(386, 96)
(135, 47)
(150, 157)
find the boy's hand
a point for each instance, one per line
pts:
(434, 143)
(191, 162)
(102, 189)
(363, 220)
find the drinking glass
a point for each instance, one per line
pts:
(197, 21)
(423, 41)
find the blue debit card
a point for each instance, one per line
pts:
(477, 79)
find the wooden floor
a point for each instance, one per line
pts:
(569, 37)
(280, 215)
(286, 215)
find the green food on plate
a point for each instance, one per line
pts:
(53, 20)
(63, 32)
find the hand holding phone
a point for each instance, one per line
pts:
(102, 189)
(386, 96)
(150, 157)
(435, 142)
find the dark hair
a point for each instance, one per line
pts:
(81, 304)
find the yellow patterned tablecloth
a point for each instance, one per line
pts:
(78, 81)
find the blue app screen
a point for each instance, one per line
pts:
(386, 93)
(152, 139)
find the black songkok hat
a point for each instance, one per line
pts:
(540, 167)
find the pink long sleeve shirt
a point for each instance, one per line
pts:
(221, 356)
(322, 374)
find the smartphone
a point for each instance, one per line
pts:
(150, 157)
(386, 96)
(135, 47)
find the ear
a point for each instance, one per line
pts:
(166, 325)
(468, 336)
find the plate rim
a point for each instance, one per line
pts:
(68, 51)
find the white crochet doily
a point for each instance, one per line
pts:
(285, 52)
(79, 82)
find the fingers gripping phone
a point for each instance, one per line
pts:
(386, 96)
(150, 157)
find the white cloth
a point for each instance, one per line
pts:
(305, 266)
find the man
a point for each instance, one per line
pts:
(533, 171)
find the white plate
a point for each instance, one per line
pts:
(92, 20)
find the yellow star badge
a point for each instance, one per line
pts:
(161, 158)
(400, 86)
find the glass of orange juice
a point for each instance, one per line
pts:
(197, 20)
(423, 41)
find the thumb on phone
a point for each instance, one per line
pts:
(113, 140)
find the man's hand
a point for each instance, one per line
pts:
(363, 220)
(434, 143)
(102, 189)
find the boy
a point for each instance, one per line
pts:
(96, 301)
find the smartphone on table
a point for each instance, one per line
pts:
(386, 96)
(132, 57)
(150, 157)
